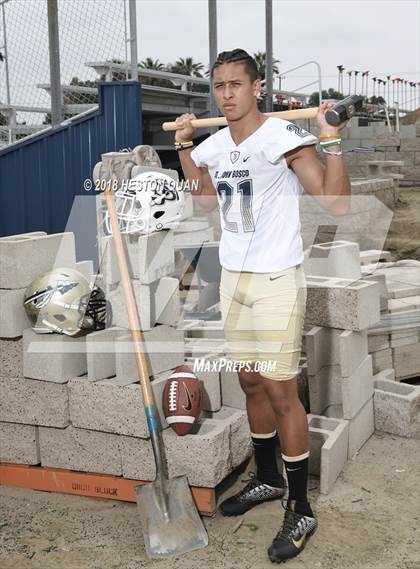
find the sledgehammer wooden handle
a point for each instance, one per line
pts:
(221, 121)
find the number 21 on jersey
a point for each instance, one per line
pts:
(227, 193)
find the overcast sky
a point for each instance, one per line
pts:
(379, 35)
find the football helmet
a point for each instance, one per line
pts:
(62, 301)
(151, 201)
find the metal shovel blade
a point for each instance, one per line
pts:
(170, 521)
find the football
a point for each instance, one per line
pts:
(182, 400)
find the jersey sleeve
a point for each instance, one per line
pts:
(202, 153)
(284, 138)
(197, 158)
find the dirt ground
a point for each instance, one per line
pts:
(403, 238)
(370, 519)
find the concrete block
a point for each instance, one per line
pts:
(80, 449)
(210, 380)
(53, 357)
(383, 290)
(407, 341)
(341, 303)
(402, 290)
(86, 268)
(163, 349)
(381, 359)
(100, 352)
(378, 342)
(137, 458)
(240, 435)
(406, 361)
(150, 257)
(328, 439)
(13, 318)
(145, 305)
(374, 256)
(33, 402)
(24, 257)
(328, 388)
(361, 427)
(167, 301)
(107, 407)
(328, 346)
(196, 237)
(203, 329)
(335, 259)
(19, 444)
(204, 456)
(196, 347)
(11, 357)
(396, 407)
(232, 394)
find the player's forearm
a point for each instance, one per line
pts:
(337, 183)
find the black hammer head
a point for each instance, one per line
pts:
(343, 110)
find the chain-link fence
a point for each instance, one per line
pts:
(89, 31)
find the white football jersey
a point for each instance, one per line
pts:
(258, 195)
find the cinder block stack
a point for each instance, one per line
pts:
(33, 392)
(348, 294)
(340, 308)
(398, 347)
(76, 403)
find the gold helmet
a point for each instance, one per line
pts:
(62, 301)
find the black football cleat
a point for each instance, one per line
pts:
(292, 538)
(254, 493)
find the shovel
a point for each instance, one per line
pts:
(170, 520)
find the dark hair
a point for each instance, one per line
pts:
(237, 56)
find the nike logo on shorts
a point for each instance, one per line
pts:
(275, 278)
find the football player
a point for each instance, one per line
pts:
(256, 169)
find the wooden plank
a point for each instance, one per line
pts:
(88, 484)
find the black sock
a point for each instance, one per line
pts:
(265, 458)
(297, 477)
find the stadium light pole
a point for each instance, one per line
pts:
(212, 9)
(133, 40)
(54, 49)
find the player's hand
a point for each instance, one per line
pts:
(322, 124)
(187, 131)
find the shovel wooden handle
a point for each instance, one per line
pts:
(294, 114)
(133, 317)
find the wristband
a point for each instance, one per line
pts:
(184, 147)
(330, 143)
(332, 153)
(324, 136)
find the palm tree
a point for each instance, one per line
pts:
(150, 63)
(260, 59)
(187, 66)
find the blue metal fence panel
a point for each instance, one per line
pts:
(41, 176)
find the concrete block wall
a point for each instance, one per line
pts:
(397, 348)
(403, 146)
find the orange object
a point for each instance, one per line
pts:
(89, 484)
